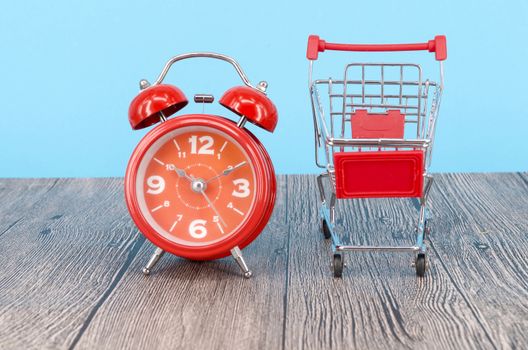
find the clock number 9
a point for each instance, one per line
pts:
(156, 184)
(197, 228)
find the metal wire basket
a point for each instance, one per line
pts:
(374, 135)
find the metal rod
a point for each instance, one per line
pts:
(204, 55)
(158, 253)
(401, 84)
(372, 105)
(378, 142)
(371, 82)
(237, 255)
(373, 96)
(406, 114)
(382, 98)
(241, 122)
(163, 118)
(366, 248)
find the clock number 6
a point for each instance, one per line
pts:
(156, 184)
(197, 228)
(242, 188)
(206, 144)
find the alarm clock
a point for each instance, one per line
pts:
(200, 186)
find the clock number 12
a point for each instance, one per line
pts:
(206, 142)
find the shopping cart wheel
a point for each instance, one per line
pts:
(338, 265)
(421, 265)
(326, 229)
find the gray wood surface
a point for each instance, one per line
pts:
(71, 273)
(206, 305)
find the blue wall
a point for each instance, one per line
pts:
(69, 70)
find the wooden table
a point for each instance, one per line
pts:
(71, 262)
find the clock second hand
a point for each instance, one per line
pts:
(227, 171)
(213, 207)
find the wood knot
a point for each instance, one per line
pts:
(481, 246)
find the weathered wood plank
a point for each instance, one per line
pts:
(71, 276)
(481, 225)
(17, 196)
(206, 305)
(379, 303)
(61, 259)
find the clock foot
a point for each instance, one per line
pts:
(237, 255)
(153, 261)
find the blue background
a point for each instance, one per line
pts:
(69, 70)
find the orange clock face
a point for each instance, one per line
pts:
(196, 186)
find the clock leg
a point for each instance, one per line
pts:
(237, 255)
(153, 260)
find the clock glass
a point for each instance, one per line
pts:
(196, 186)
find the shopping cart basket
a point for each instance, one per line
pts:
(376, 138)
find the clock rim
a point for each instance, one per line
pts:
(264, 198)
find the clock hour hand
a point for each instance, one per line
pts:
(227, 171)
(182, 173)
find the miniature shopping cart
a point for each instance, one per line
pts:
(376, 137)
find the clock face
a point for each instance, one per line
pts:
(196, 186)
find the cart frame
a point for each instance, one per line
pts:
(420, 109)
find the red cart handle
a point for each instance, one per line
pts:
(438, 45)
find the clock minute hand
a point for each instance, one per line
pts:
(227, 171)
(213, 207)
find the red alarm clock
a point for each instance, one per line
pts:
(200, 186)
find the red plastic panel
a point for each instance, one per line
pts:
(379, 174)
(374, 126)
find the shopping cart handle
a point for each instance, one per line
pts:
(438, 45)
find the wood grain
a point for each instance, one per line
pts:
(17, 196)
(71, 273)
(71, 244)
(379, 303)
(206, 305)
(482, 243)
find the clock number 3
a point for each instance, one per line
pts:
(197, 228)
(206, 142)
(242, 188)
